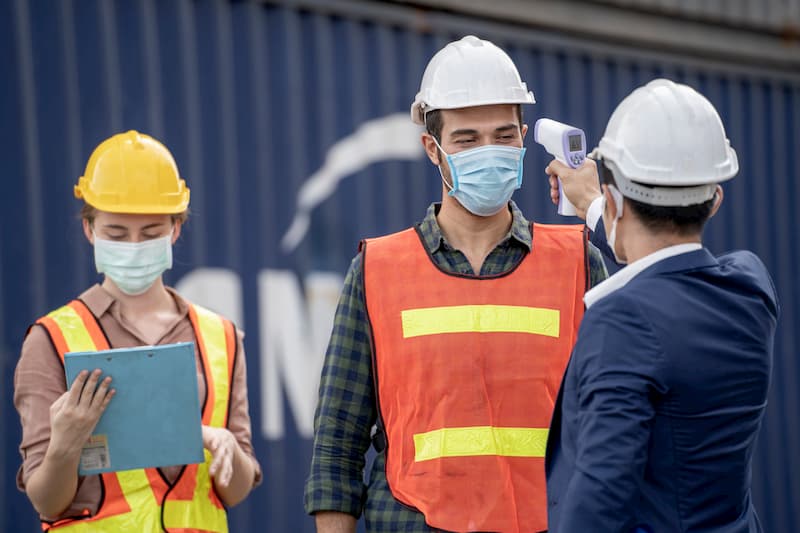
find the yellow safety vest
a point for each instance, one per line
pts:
(142, 500)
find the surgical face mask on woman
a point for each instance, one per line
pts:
(133, 266)
(484, 178)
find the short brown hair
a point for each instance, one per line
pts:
(89, 212)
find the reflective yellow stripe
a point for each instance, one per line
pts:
(480, 440)
(134, 521)
(216, 351)
(145, 515)
(200, 513)
(136, 487)
(480, 319)
(189, 515)
(72, 327)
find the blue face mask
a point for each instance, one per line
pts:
(484, 178)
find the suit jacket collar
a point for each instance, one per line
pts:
(672, 259)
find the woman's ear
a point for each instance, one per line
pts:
(88, 231)
(176, 230)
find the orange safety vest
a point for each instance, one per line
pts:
(142, 500)
(467, 370)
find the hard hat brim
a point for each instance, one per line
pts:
(178, 203)
(419, 108)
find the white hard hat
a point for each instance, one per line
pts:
(466, 73)
(668, 136)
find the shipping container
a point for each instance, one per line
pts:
(289, 122)
(780, 16)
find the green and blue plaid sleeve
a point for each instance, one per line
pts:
(597, 267)
(346, 410)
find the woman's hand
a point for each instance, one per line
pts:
(74, 415)
(231, 469)
(222, 445)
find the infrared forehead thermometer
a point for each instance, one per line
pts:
(567, 144)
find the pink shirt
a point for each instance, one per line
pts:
(39, 381)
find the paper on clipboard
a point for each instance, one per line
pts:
(154, 418)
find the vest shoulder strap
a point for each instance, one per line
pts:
(217, 343)
(73, 328)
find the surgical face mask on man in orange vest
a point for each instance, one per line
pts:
(484, 178)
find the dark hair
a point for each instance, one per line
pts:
(434, 122)
(683, 220)
(89, 212)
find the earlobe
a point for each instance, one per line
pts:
(430, 148)
(718, 196)
(88, 231)
(176, 231)
(610, 204)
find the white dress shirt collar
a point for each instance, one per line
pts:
(627, 273)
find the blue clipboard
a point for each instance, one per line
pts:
(153, 419)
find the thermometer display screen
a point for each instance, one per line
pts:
(575, 143)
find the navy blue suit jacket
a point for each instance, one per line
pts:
(657, 416)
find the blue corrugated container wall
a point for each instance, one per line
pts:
(773, 15)
(250, 97)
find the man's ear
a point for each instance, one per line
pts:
(523, 131)
(431, 149)
(88, 232)
(718, 196)
(610, 205)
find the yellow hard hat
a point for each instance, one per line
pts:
(133, 173)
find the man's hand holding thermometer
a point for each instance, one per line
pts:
(568, 145)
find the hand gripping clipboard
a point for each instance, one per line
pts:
(153, 419)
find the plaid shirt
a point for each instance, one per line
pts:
(347, 411)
